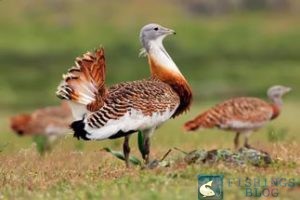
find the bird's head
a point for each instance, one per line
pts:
(19, 123)
(154, 33)
(277, 91)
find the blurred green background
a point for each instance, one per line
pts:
(224, 48)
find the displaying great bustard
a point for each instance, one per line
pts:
(242, 115)
(102, 112)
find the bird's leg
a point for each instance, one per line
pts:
(236, 140)
(147, 149)
(246, 144)
(146, 143)
(126, 150)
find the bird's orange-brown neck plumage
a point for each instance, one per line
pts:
(276, 111)
(175, 79)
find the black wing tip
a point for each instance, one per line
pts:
(79, 132)
(122, 134)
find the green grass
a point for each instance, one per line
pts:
(240, 53)
(81, 170)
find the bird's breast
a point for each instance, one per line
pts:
(175, 79)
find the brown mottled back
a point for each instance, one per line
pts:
(48, 120)
(246, 110)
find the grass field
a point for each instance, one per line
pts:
(234, 54)
(77, 170)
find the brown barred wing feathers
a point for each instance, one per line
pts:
(239, 114)
(132, 106)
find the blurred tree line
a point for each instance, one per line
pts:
(224, 48)
(221, 7)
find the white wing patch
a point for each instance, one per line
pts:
(57, 130)
(78, 110)
(133, 120)
(242, 126)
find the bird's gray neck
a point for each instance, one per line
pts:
(277, 101)
(154, 44)
(145, 44)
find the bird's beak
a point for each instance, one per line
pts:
(168, 31)
(287, 89)
(172, 32)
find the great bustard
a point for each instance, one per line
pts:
(102, 112)
(52, 122)
(242, 115)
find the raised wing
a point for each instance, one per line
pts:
(85, 82)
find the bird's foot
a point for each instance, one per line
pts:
(151, 164)
(146, 159)
(248, 146)
(256, 149)
(127, 164)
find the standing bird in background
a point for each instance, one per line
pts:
(51, 122)
(117, 111)
(242, 115)
(45, 125)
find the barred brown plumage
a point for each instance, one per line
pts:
(160, 97)
(124, 108)
(50, 121)
(242, 115)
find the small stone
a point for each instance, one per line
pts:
(195, 156)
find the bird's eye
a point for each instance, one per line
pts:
(156, 28)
